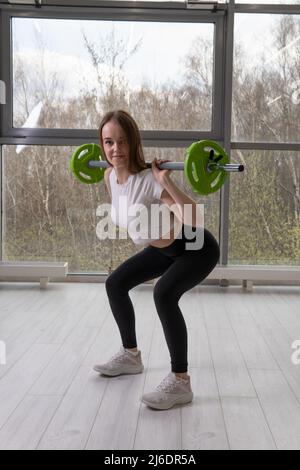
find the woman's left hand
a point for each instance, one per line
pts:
(160, 175)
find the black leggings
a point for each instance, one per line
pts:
(180, 270)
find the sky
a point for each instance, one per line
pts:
(158, 60)
(153, 61)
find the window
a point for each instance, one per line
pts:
(67, 73)
(264, 213)
(50, 216)
(164, 68)
(266, 83)
(270, 2)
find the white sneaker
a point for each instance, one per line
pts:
(123, 362)
(171, 391)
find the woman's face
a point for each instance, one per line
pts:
(115, 144)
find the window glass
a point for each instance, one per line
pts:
(264, 218)
(68, 73)
(266, 78)
(270, 2)
(50, 216)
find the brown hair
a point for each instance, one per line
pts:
(129, 126)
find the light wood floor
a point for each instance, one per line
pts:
(246, 388)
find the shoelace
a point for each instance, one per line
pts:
(167, 385)
(118, 357)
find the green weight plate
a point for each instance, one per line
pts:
(79, 164)
(196, 167)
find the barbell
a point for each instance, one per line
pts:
(206, 165)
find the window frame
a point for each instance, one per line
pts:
(222, 101)
(175, 137)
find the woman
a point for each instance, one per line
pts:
(167, 257)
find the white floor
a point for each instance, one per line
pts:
(246, 387)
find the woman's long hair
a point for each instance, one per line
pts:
(129, 126)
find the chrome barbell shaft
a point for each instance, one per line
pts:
(229, 167)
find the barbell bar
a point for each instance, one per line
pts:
(177, 166)
(206, 165)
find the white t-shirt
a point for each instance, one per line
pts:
(136, 206)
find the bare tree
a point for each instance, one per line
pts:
(108, 58)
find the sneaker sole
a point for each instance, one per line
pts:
(179, 401)
(130, 371)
